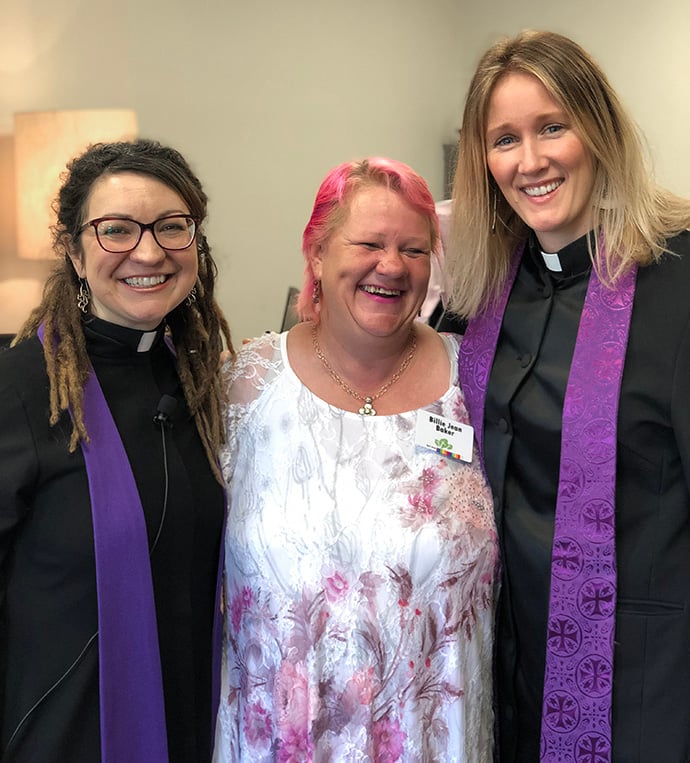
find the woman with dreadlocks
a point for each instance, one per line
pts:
(111, 505)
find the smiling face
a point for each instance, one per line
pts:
(374, 269)
(136, 289)
(538, 161)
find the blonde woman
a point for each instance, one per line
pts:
(573, 266)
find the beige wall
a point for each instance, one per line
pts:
(644, 48)
(264, 97)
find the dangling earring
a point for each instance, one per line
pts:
(493, 217)
(191, 297)
(83, 296)
(315, 291)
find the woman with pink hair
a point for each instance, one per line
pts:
(361, 550)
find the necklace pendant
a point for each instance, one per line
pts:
(368, 409)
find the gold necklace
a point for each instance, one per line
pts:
(367, 408)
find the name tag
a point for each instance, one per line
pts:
(449, 438)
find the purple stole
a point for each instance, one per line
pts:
(576, 713)
(132, 709)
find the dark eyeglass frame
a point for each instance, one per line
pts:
(142, 228)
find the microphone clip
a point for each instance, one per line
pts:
(165, 410)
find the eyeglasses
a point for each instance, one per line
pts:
(121, 235)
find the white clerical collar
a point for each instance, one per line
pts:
(552, 262)
(146, 341)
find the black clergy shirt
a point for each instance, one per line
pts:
(522, 442)
(651, 687)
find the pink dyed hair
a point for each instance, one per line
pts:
(331, 208)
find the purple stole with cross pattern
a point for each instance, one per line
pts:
(576, 713)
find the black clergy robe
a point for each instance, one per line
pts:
(48, 614)
(651, 690)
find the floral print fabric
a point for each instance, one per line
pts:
(359, 582)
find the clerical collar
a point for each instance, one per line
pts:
(146, 341)
(572, 260)
(552, 262)
(104, 333)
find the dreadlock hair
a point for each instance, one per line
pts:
(197, 330)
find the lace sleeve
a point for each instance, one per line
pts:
(452, 345)
(254, 368)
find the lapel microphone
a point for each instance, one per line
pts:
(164, 413)
(166, 408)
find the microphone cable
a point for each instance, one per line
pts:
(166, 407)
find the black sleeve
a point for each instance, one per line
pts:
(19, 471)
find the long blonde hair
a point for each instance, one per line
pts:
(634, 215)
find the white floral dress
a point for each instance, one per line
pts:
(359, 582)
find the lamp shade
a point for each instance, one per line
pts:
(18, 296)
(44, 142)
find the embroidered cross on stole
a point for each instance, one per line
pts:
(576, 713)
